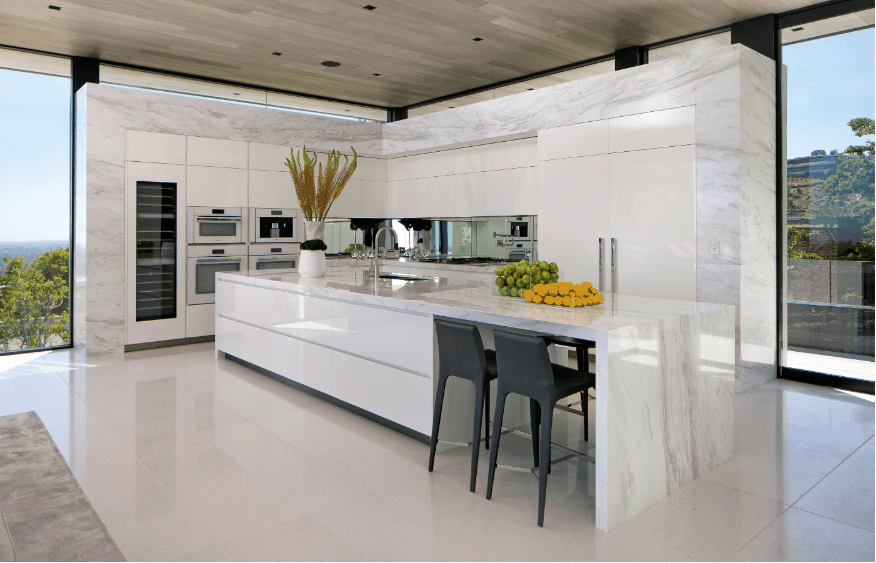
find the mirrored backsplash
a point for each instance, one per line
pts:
(495, 238)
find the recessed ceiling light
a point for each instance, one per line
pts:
(276, 54)
(530, 88)
(477, 39)
(451, 107)
(236, 94)
(330, 63)
(797, 29)
(55, 8)
(369, 7)
(376, 74)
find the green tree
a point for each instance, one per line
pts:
(798, 237)
(862, 126)
(34, 300)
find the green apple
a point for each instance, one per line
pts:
(500, 281)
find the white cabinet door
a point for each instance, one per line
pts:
(396, 168)
(210, 186)
(573, 215)
(666, 128)
(527, 197)
(441, 193)
(375, 199)
(349, 203)
(653, 219)
(580, 139)
(146, 283)
(409, 199)
(370, 169)
(200, 320)
(269, 157)
(528, 152)
(469, 159)
(141, 146)
(217, 152)
(502, 188)
(501, 156)
(271, 189)
(470, 194)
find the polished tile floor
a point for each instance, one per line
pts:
(189, 457)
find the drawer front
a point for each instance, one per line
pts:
(304, 363)
(396, 395)
(386, 336)
(300, 316)
(241, 341)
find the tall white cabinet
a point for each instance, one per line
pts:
(624, 189)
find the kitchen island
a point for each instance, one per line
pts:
(664, 368)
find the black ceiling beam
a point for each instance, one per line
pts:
(396, 114)
(630, 57)
(84, 70)
(758, 34)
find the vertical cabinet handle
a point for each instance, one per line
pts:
(601, 276)
(613, 266)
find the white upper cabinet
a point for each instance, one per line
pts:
(268, 188)
(502, 188)
(469, 159)
(653, 219)
(656, 129)
(527, 196)
(429, 165)
(528, 151)
(375, 199)
(395, 168)
(269, 157)
(161, 148)
(217, 152)
(501, 156)
(373, 169)
(442, 196)
(470, 194)
(211, 186)
(581, 139)
(349, 203)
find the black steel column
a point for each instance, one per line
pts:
(396, 114)
(84, 70)
(758, 34)
(630, 57)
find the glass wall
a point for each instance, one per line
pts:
(829, 198)
(35, 215)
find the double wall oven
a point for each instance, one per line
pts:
(217, 243)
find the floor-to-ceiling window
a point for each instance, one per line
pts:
(34, 201)
(829, 285)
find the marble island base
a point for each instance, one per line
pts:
(665, 374)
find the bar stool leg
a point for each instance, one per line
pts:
(436, 419)
(476, 436)
(584, 407)
(546, 422)
(494, 447)
(487, 417)
(534, 417)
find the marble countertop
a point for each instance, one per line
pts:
(336, 261)
(474, 301)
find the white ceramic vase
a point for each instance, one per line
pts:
(311, 264)
(314, 230)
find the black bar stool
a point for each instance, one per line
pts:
(461, 353)
(525, 368)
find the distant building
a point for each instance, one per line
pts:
(818, 163)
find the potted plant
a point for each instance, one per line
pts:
(316, 192)
(312, 261)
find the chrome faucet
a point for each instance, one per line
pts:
(376, 266)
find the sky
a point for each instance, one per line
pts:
(830, 81)
(34, 157)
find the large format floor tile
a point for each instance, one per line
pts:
(187, 456)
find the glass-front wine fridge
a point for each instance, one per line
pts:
(155, 255)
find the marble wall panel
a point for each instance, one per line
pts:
(669, 416)
(700, 78)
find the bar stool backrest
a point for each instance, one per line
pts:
(460, 350)
(524, 364)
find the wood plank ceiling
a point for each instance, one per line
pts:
(400, 53)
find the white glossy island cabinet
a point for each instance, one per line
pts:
(664, 368)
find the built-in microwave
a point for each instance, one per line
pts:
(279, 258)
(216, 225)
(202, 264)
(274, 225)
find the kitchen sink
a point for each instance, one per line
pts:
(405, 277)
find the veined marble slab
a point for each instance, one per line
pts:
(665, 371)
